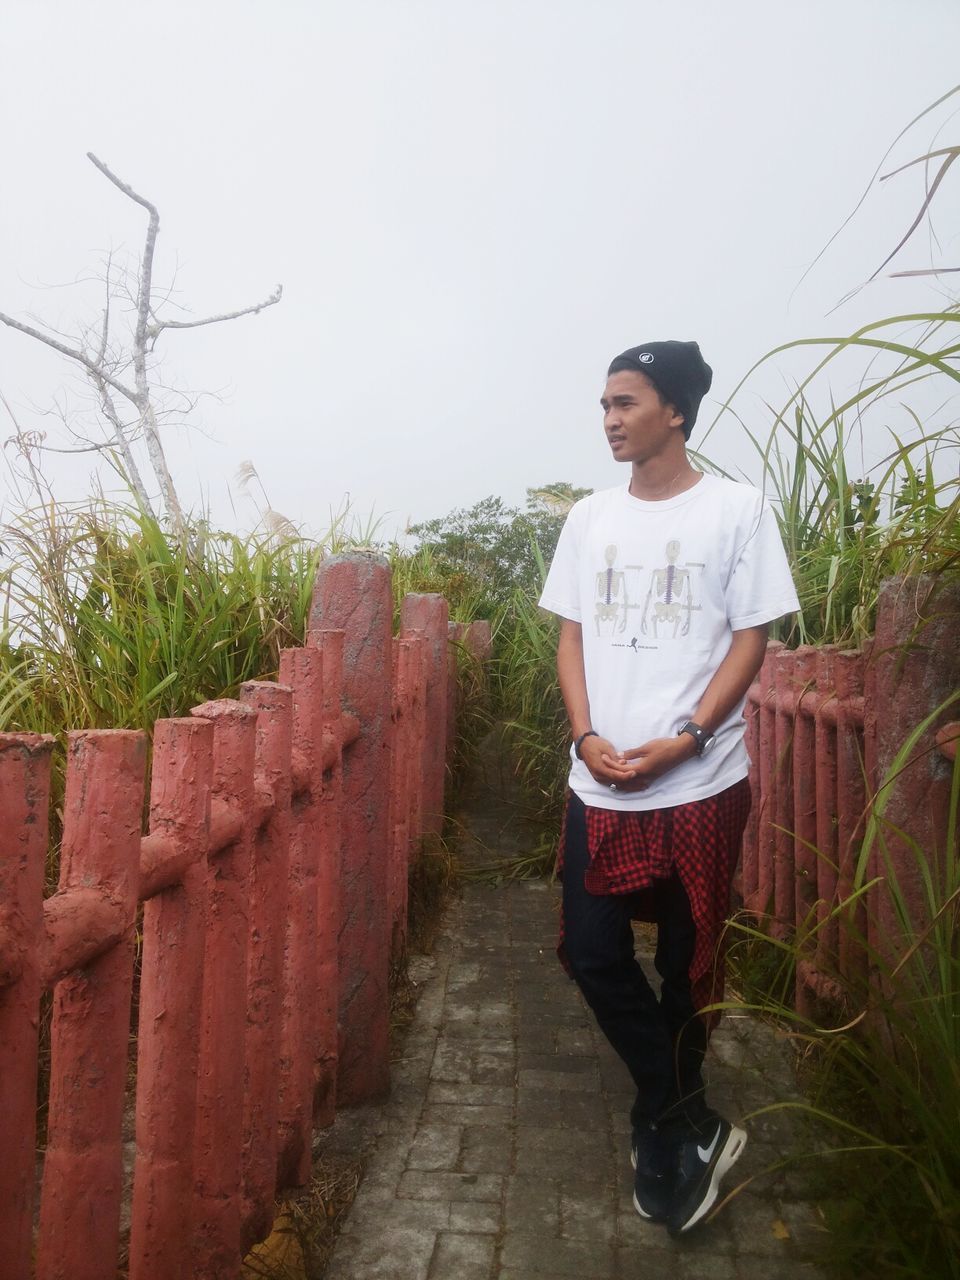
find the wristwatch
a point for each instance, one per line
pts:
(702, 737)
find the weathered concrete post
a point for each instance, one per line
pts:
(302, 670)
(219, 1133)
(170, 994)
(478, 641)
(851, 804)
(24, 813)
(804, 784)
(329, 870)
(456, 633)
(265, 944)
(80, 1201)
(427, 613)
(767, 816)
(784, 875)
(916, 661)
(825, 746)
(352, 593)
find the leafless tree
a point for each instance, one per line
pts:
(120, 372)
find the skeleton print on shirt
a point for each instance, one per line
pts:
(663, 595)
(612, 601)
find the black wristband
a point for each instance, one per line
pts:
(591, 733)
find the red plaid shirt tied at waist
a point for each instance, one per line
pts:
(629, 850)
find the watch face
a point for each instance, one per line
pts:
(708, 742)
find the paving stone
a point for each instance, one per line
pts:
(470, 1095)
(419, 1184)
(453, 1063)
(575, 1040)
(403, 1253)
(566, 1062)
(373, 1215)
(435, 1147)
(561, 1111)
(532, 1200)
(706, 1267)
(448, 1113)
(462, 1257)
(503, 1153)
(555, 1081)
(475, 1215)
(757, 1227)
(536, 1255)
(463, 973)
(588, 1213)
(485, 1150)
(649, 1263)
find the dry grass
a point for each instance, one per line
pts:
(306, 1227)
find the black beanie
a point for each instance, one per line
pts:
(676, 369)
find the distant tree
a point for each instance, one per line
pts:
(121, 370)
(501, 548)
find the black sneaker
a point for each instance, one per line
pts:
(652, 1185)
(700, 1166)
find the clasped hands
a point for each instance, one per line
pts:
(634, 770)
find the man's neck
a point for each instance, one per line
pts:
(662, 478)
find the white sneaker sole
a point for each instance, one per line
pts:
(642, 1212)
(731, 1153)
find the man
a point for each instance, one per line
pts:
(665, 587)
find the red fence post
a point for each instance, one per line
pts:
(417, 738)
(397, 871)
(428, 613)
(749, 870)
(353, 593)
(24, 814)
(302, 670)
(329, 871)
(80, 1201)
(478, 641)
(804, 785)
(825, 743)
(767, 815)
(456, 635)
(784, 877)
(171, 987)
(917, 667)
(265, 946)
(851, 806)
(219, 1133)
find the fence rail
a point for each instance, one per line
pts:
(825, 730)
(272, 881)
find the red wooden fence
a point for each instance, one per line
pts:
(273, 882)
(824, 729)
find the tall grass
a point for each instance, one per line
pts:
(883, 1078)
(109, 622)
(845, 532)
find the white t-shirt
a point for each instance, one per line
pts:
(658, 588)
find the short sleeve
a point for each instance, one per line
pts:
(561, 593)
(760, 586)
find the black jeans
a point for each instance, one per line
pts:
(661, 1040)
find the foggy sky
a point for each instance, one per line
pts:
(471, 207)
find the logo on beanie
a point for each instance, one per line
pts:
(645, 357)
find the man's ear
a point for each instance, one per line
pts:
(677, 419)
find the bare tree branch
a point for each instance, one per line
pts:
(123, 444)
(123, 186)
(105, 359)
(160, 325)
(69, 352)
(158, 458)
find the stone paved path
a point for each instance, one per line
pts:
(503, 1151)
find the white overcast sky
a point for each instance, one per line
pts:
(471, 206)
